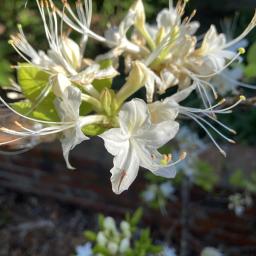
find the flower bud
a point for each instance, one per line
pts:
(71, 52)
(109, 224)
(124, 245)
(139, 10)
(101, 239)
(108, 101)
(112, 247)
(126, 229)
(135, 81)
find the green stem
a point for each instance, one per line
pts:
(93, 101)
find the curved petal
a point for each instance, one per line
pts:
(125, 170)
(133, 116)
(159, 134)
(183, 94)
(161, 111)
(114, 140)
(72, 138)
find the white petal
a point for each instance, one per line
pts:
(72, 138)
(183, 94)
(167, 18)
(125, 170)
(68, 107)
(60, 84)
(71, 52)
(133, 116)
(161, 111)
(114, 140)
(159, 134)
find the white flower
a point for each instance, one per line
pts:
(101, 239)
(135, 144)
(112, 247)
(168, 251)
(167, 189)
(109, 224)
(70, 125)
(213, 52)
(170, 108)
(84, 250)
(149, 194)
(68, 110)
(126, 229)
(124, 245)
(211, 251)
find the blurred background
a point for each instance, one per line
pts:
(44, 208)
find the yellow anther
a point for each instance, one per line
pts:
(183, 155)
(241, 51)
(243, 98)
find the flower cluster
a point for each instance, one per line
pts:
(71, 96)
(126, 239)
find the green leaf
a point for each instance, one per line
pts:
(101, 220)
(102, 250)
(40, 113)
(32, 80)
(250, 70)
(136, 217)
(90, 235)
(251, 55)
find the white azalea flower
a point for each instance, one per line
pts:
(213, 51)
(170, 109)
(135, 144)
(70, 125)
(68, 110)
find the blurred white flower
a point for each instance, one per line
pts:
(84, 250)
(101, 239)
(112, 247)
(211, 251)
(124, 245)
(167, 189)
(110, 224)
(169, 251)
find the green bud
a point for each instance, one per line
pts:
(108, 102)
(135, 81)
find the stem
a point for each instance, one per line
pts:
(94, 102)
(185, 199)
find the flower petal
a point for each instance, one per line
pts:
(159, 134)
(114, 140)
(133, 116)
(72, 138)
(125, 170)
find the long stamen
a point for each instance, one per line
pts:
(249, 28)
(240, 52)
